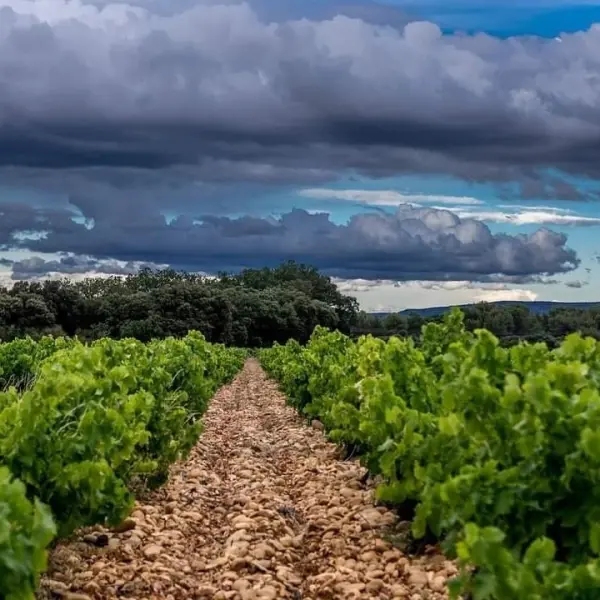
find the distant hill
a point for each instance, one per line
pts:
(536, 307)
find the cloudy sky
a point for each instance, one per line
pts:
(420, 152)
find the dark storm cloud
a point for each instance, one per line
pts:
(73, 147)
(211, 83)
(20, 218)
(549, 188)
(37, 267)
(519, 279)
(410, 244)
(576, 284)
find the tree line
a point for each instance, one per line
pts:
(253, 308)
(511, 324)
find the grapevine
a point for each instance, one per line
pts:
(497, 450)
(92, 424)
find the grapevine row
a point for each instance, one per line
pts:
(494, 451)
(86, 426)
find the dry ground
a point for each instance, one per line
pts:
(263, 509)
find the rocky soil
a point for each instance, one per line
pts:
(264, 508)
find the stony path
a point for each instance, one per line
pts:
(262, 509)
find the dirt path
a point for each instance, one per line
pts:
(263, 509)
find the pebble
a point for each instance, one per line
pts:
(316, 424)
(418, 577)
(126, 525)
(262, 509)
(152, 551)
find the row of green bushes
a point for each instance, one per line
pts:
(90, 425)
(493, 451)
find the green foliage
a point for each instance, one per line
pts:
(498, 448)
(26, 529)
(98, 422)
(535, 575)
(510, 323)
(254, 308)
(21, 358)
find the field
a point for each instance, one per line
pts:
(84, 427)
(494, 452)
(455, 467)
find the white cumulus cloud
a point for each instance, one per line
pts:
(385, 197)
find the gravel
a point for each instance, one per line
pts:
(262, 509)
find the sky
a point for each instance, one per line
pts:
(421, 153)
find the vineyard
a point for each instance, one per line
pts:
(83, 427)
(491, 454)
(494, 452)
